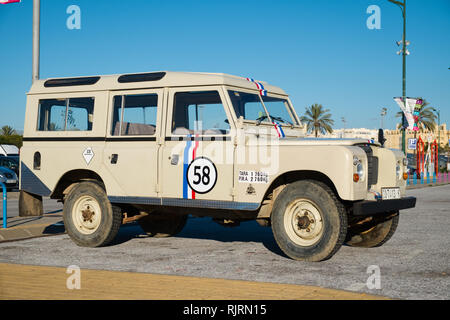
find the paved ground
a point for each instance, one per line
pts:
(414, 264)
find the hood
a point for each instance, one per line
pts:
(329, 141)
(290, 141)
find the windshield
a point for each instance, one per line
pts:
(250, 107)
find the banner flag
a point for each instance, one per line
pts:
(407, 112)
(415, 105)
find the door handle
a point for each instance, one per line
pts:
(114, 157)
(174, 159)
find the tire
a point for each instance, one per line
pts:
(374, 233)
(89, 218)
(309, 223)
(162, 224)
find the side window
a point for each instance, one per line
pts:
(135, 115)
(248, 106)
(199, 113)
(52, 115)
(74, 114)
(79, 117)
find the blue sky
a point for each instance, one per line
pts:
(319, 51)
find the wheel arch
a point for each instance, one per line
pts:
(70, 178)
(292, 176)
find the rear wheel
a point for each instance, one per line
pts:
(89, 218)
(373, 233)
(309, 223)
(162, 224)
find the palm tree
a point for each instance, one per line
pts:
(7, 131)
(317, 119)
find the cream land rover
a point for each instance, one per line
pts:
(156, 147)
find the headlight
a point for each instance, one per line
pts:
(405, 162)
(2, 176)
(360, 170)
(398, 170)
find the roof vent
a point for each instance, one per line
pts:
(84, 81)
(141, 77)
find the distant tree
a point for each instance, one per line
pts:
(318, 120)
(7, 131)
(14, 139)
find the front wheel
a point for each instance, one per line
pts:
(309, 223)
(89, 218)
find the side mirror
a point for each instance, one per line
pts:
(381, 138)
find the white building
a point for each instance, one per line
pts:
(352, 133)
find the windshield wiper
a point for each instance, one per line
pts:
(260, 119)
(282, 120)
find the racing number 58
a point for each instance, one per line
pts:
(201, 175)
(204, 179)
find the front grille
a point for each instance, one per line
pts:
(8, 175)
(372, 164)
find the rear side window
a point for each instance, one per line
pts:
(135, 115)
(74, 114)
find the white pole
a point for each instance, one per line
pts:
(36, 37)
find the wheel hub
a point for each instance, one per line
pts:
(303, 222)
(86, 215)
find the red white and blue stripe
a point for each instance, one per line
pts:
(259, 85)
(279, 130)
(188, 156)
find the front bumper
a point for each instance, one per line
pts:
(368, 208)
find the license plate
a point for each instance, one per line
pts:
(390, 193)
(10, 181)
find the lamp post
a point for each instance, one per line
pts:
(404, 52)
(344, 122)
(438, 111)
(36, 38)
(383, 114)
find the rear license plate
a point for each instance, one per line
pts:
(390, 193)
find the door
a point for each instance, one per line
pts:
(197, 157)
(131, 153)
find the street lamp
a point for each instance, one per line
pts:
(438, 111)
(344, 122)
(383, 113)
(404, 53)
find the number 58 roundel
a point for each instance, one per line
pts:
(201, 175)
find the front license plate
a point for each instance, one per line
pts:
(390, 193)
(10, 181)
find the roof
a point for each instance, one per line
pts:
(159, 79)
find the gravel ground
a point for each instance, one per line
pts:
(414, 264)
